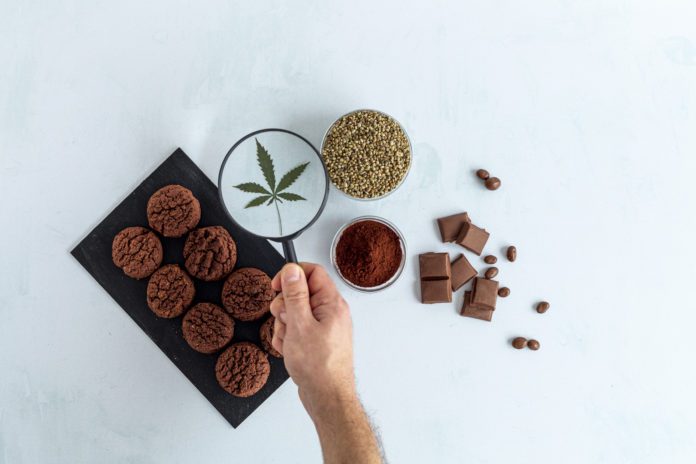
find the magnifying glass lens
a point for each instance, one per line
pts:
(273, 184)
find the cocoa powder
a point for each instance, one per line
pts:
(368, 253)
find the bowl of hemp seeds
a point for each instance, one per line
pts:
(367, 154)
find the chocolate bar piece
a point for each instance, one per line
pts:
(472, 238)
(484, 293)
(451, 225)
(436, 291)
(434, 266)
(462, 272)
(476, 312)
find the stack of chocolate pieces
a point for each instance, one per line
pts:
(459, 229)
(435, 278)
(480, 302)
(439, 277)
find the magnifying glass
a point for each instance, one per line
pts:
(273, 184)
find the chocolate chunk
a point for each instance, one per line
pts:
(434, 266)
(490, 259)
(504, 292)
(511, 254)
(542, 307)
(533, 345)
(491, 272)
(462, 272)
(436, 291)
(519, 343)
(493, 183)
(482, 174)
(472, 238)
(484, 293)
(451, 225)
(476, 312)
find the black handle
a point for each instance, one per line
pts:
(289, 252)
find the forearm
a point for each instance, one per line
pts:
(344, 429)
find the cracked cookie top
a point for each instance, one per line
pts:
(137, 251)
(242, 369)
(170, 291)
(207, 328)
(210, 253)
(247, 294)
(173, 211)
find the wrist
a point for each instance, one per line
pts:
(329, 402)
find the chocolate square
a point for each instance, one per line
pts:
(462, 272)
(451, 225)
(476, 312)
(436, 291)
(472, 238)
(484, 294)
(434, 266)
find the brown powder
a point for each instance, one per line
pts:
(368, 253)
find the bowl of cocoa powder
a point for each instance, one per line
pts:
(368, 253)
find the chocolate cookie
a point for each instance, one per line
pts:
(170, 291)
(137, 251)
(210, 253)
(173, 211)
(266, 334)
(242, 369)
(247, 294)
(207, 328)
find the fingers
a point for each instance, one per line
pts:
(325, 301)
(295, 293)
(318, 279)
(277, 344)
(279, 330)
(307, 267)
(278, 307)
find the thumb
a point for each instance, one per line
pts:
(295, 294)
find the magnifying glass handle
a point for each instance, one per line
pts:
(289, 252)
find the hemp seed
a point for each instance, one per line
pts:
(367, 154)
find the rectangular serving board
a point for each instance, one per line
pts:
(94, 253)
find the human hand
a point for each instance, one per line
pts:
(313, 331)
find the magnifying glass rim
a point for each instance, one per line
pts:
(282, 238)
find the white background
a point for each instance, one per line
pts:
(585, 110)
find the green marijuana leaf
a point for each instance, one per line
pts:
(252, 187)
(274, 193)
(291, 176)
(257, 201)
(290, 196)
(266, 165)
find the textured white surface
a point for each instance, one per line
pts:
(586, 110)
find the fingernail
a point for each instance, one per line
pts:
(291, 273)
(281, 316)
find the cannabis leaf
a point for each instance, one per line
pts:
(274, 194)
(257, 201)
(290, 196)
(266, 164)
(291, 176)
(252, 187)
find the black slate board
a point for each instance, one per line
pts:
(94, 253)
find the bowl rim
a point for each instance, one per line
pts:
(402, 242)
(410, 149)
